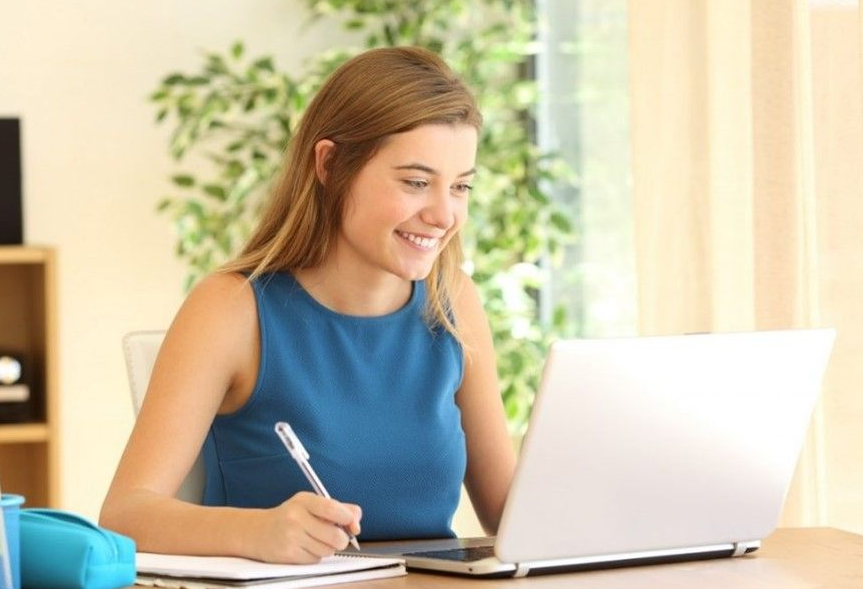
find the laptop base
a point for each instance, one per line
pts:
(490, 568)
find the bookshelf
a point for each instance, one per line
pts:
(28, 316)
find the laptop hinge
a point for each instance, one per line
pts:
(740, 548)
(521, 570)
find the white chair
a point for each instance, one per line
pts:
(140, 349)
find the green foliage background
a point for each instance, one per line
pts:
(239, 112)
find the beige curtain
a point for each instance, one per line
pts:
(837, 74)
(738, 224)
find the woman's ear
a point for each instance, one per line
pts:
(323, 150)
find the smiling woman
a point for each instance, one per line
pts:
(359, 111)
(346, 316)
(404, 207)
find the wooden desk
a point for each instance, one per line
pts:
(791, 558)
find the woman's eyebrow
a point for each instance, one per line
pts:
(424, 168)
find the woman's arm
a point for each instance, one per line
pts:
(207, 365)
(490, 455)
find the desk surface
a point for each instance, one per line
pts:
(791, 558)
(795, 558)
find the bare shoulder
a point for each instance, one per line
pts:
(220, 302)
(222, 289)
(469, 312)
(465, 296)
(218, 318)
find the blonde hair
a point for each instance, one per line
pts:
(374, 95)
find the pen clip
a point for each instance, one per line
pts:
(291, 441)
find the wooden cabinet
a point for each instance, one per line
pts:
(28, 318)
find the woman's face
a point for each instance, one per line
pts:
(409, 200)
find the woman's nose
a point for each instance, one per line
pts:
(439, 211)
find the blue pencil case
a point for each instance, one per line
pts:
(62, 550)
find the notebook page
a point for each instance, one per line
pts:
(229, 567)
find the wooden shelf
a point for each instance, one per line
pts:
(29, 451)
(23, 254)
(20, 433)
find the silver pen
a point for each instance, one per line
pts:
(299, 453)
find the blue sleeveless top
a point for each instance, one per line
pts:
(371, 398)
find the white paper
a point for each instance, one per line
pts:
(228, 567)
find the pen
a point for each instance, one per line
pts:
(299, 453)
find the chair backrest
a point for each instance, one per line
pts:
(140, 349)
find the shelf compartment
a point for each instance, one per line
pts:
(24, 468)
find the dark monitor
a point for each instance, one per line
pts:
(11, 221)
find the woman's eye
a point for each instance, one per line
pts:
(416, 184)
(462, 188)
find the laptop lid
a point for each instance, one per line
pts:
(660, 443)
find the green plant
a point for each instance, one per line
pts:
(239, 113)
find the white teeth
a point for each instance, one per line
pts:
(424, 242)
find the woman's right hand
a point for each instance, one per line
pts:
(304, 529)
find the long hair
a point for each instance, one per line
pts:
(376, 94)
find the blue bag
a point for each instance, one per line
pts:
(62, 550)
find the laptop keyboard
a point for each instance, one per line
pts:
(469, 554)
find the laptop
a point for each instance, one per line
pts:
(645, 450)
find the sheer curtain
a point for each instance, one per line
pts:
(747, 198)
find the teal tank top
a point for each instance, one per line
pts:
(371, 398)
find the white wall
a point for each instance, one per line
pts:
(78, 74)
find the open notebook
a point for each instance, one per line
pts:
(217, 572)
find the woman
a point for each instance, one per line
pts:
(346, 316)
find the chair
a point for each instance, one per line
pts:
(140, 349)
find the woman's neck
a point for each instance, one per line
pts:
(354, 293)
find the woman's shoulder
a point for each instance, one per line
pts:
(469, 312)
(225, 296)
(225, 287)
(464, 296)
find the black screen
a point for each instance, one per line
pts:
(10, 182)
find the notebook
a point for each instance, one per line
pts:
(217, 572)
(649, 449)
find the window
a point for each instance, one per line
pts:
(584, 116)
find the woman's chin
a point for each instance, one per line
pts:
(414, 273)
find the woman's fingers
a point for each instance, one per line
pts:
(341, 514)
(311, 527)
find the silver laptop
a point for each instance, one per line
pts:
(648, 449)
